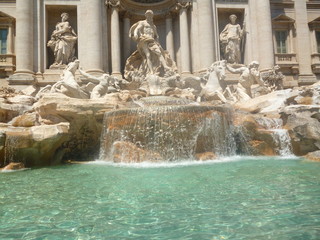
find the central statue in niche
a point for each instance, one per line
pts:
(150, 64)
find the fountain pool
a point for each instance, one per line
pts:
(231, 198)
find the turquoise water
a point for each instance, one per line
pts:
(243, 199)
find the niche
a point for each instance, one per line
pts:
(223, 16)
(53, 16)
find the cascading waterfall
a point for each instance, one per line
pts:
(280, 136)
(158, 131)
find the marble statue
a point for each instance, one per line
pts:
(62, 42)
(230, 40)
(104, 81)
(150, 62)
(250, 75)
(273, 78)
(215, 86)
(67, 85)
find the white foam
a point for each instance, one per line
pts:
(184, 163)
(8, 171)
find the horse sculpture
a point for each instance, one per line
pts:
(215, 85)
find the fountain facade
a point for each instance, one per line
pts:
(156, 114)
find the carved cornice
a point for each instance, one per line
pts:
(282, 3)
(183, 5)
(137, 9)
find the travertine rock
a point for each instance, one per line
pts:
(85, 117)
(127, 152)
(252, 138)
(272, 102)
(14, 166)
(313, 156)
(206, 156)
(35, 146)
(25, 120)
(302, 122)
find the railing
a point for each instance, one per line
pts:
(286, 58)
(315, 62)
(7, 62)
(315, 58)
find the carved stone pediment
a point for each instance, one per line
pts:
(315, 24)
(5, 17)
(138, 7)
(283, 19)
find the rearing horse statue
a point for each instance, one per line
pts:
(215, 85)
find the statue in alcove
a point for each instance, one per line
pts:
(231, 38)
(62, 43)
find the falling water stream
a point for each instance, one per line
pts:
(170, 132)
(280, 136)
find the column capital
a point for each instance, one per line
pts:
(113, 3)
(183, 5)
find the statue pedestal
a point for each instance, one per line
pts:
(232, 78)
(51, 76)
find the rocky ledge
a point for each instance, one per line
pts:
(56, 128)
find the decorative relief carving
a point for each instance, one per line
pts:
(113, 3)
(183, 4)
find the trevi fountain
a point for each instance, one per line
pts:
(163, 156)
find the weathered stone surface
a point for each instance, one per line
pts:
(35, 146)
(252, 138)
(14, 166)
(302, 122)
(313, 156)
(127, 152)
(271, 102)
(309, 95)
(21, 99)
(9, 111)
(25, 120)
(51, 106)
(205, 156)
(186, 93)
(31, 90)
(85, 117)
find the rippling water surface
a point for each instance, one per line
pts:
(244, 199)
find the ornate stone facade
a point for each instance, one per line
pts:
(282, 32)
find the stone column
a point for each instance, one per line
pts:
(206, 34)
(195, 38)
(24, 44)
(263, 13)
(93, 42)
(126, 39)
(303, 41)
(169, 36)
(115, 37)
(184, 38)
(10, 39)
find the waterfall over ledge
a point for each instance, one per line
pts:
(167, 129)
